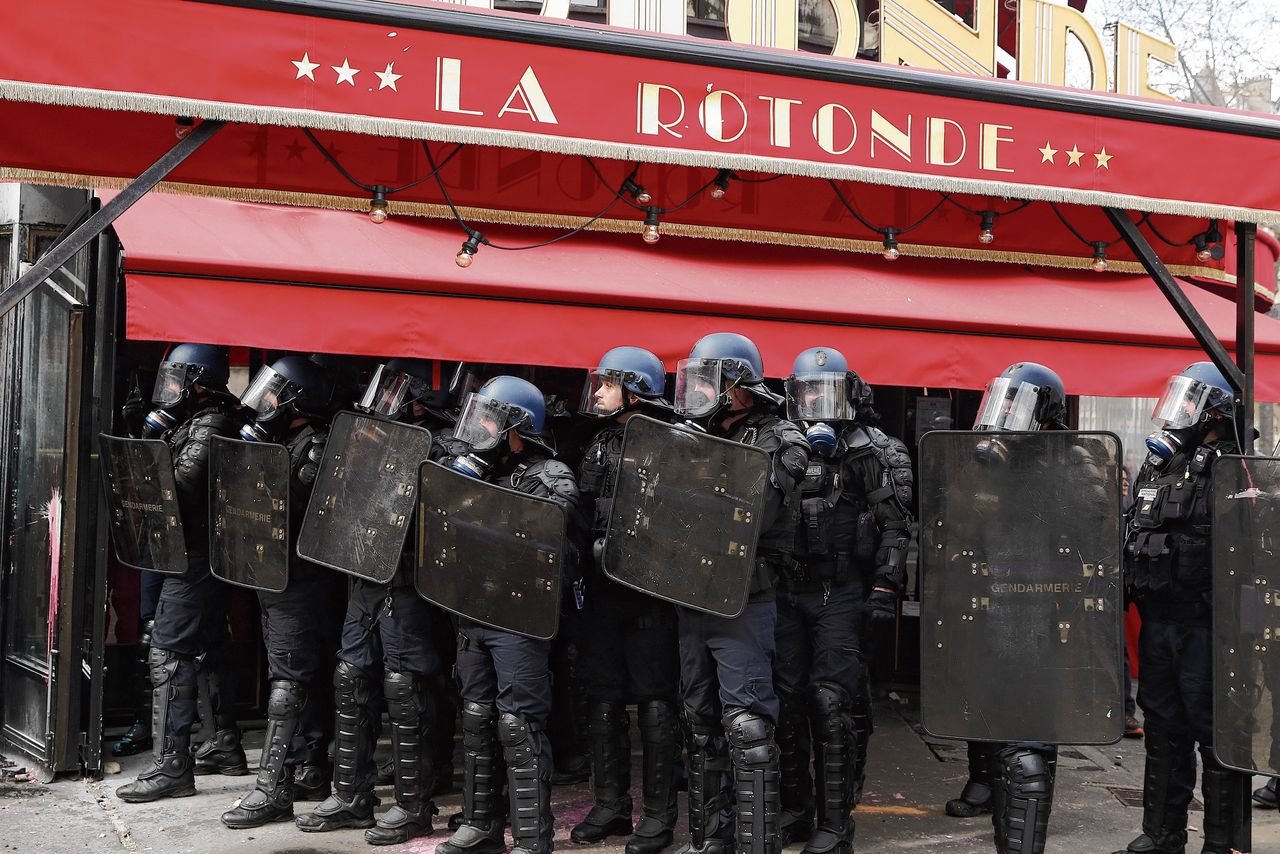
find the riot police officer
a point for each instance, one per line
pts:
(293, 399)
(1168, 568)
(504, 677)
(193, 406)
(388, 630)
(630, 652)
(850, 569)
(726, 665)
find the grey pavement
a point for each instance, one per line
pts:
(910, 777)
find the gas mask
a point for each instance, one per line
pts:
(821, 438)
(475, 463)
(159, 422)
(1163, 444)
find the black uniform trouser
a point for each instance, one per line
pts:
(388, 626)
(819, 637)
(630, 652)
(728, 663)
(301, 627)
(190, 622)
(504, 669)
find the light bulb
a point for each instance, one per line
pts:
(182, 127)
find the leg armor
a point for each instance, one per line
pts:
(272, 797)
(706, 762)
(412, 712)
(1164, 820)
(756, 781)
(658, 730)
(975, 798)
(1024, 797)
(863, 727)
(610, 732)
(482, 820)
(796, 823)
(1226, 805)
(352, 801)
(173, 682)
(834, 748)
(138, 737)
(221, 753)
(527, 751)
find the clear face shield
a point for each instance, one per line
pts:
(485, 421)
(268, 392)
(1182, 403)
(172, 381)
(388, 392)
(1008, 405)
(699, 385)
(603, 395)
(818, 397)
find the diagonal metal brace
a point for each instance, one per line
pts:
(1173, 292)
(66, 248)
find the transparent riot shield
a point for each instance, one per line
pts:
(686, 516)
(249, 513)
(1246, 613)
(142, 503)
(364, 497)
(1021, 603)
(490, 554)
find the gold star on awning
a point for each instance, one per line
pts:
(1047, 153)
(1075, 154)
(1103, 159)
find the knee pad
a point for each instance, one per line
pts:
(519, 737)
(607, 718)
(750, 738)
(406, 695)
(656, 715)
(699, 731)
(827, 699)
(1029, 772)
(352, 687)
(478, 720)
(286, 699)
(162, 664)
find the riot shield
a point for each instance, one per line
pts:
(249, 514)
(686, 515)
(1021, 603)
(364, 496)
(1246, 613)
(490, 554)
(142, 504)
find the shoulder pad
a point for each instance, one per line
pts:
(893, 455)
(556, 477)
(856, 437)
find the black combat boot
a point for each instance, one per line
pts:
(1024, 798)
(311, 782)
(138, 737)
(756, 783)
(272, 796)
(412, 713)
(707, 760)
(796, 823)
(834, 749)
(1265, 796)
(1225, 804)
(610, 736)
(975, 798)
(659, 732)
(527, 751)
(1170, 764)
(171, 776)
(221, 753)
(352, 801)
(482, 822)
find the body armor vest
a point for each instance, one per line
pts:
(837, 530)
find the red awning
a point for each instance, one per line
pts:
(314, 280)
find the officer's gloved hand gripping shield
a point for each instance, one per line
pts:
(686, 516)
(1246, 613)
(142, 504)
(364, 496)
(249, 513)
(1021, 602)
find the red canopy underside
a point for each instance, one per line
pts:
(312, 280)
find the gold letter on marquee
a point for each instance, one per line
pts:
(534, 100)
(654, 16)
(648, 118)
(767, 23)
(1134, 50)
(923, 34)
(1043, 32)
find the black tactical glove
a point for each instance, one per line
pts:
(882, 606)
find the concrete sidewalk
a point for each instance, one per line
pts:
(909, 780)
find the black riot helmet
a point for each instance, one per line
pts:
(289, 387)
(629, 370)
(718, 363)
(822, 387)
(397, 383)
(188, 365)
(1192, 399)
(345, 371)
(1027, 396)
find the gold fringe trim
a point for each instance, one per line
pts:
(369, 125)
(620, 226)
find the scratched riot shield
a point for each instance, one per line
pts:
(364, 497)
(1246, 613)
(490, 554)
(686, 516)
(1021, 603)
(249, 513)
(142, 504)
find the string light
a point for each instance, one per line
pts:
(987, 231)
(891, 251)
(378, 205)
(183, 126)
(721, 182)
(651, 234)
(470, 247)
(635, 191)
(1099, 264)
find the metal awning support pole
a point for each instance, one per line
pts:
(1246, 237)
(1173, 292)
(66, 248)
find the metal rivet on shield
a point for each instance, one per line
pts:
(1231, 548)
(1063, 630)
(939, 523)
(939, 646)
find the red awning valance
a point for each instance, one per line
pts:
(305, 279)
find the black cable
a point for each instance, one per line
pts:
(976, 212)
(1092, 244)
(373, 188)
(885, 231)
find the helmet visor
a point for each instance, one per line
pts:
(1182, 403)
(268, 392)
(172, 381)
(1008, 405)
(818, 397)
(698, 386)
(603, 394)
(387, 393)
(484, 421)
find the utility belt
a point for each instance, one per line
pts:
(769, 567)
(1164, 563)
(816, 572)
